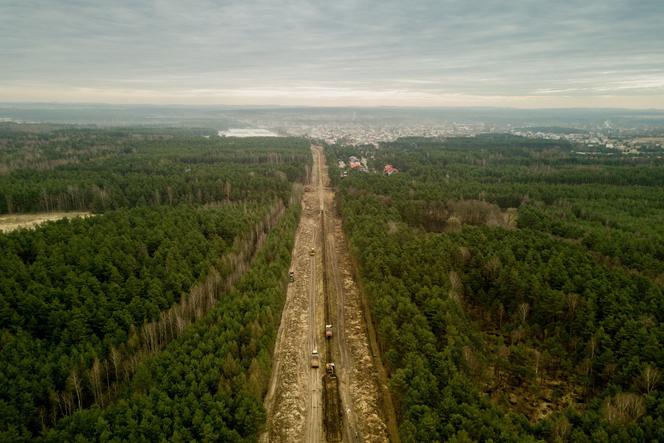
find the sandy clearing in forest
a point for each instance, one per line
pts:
(359, 381)
(12, 222)
(293, 400)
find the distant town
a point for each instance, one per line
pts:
(606, 140)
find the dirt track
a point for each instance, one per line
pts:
(364, 418)
(294, 400)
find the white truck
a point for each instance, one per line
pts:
(315, 359)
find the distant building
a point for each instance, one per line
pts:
(354, 162)
(389, 170)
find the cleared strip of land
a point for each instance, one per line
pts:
(12, 222)
(294, 398)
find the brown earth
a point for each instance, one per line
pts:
(11, 222)
(359, 384)
(294, 398)
(294, 401)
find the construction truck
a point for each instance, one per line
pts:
(291, 276)
(330, 369)
(328, 331)
(315, 359)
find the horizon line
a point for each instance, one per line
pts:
(323, 106)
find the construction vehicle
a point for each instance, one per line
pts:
(328, 331)
(332, 415)
(330, 369)
(315, 359)
(312, 252)
(291, 276)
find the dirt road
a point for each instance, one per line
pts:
(364, 418)
(294, 399)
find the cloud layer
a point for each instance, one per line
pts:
(526, 53)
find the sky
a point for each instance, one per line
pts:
(518, 53)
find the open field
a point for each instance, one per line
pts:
(12, 222)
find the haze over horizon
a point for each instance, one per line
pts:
(533, 54)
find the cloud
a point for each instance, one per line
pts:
(387, 51)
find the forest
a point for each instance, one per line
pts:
(516, 286)
(68, 169)
(209, 383)
(164, 302)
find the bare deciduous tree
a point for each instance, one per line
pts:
(455, 297)
(75, 383)
(537, 358)
(624, 408)
(464, 253)
(592, 347)
(561, 429)
(500, 311)
(455, 282)
(523, 311)
(572, 304)
(649, 378)
(115, 359)
(95, 381)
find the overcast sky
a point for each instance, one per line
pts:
(519, 53)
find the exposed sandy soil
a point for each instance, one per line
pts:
(364, 417)
(11, 222)
(293, 401)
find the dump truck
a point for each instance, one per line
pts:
(291, 276)
(312, 252)
(315, 359)
(328, 331)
